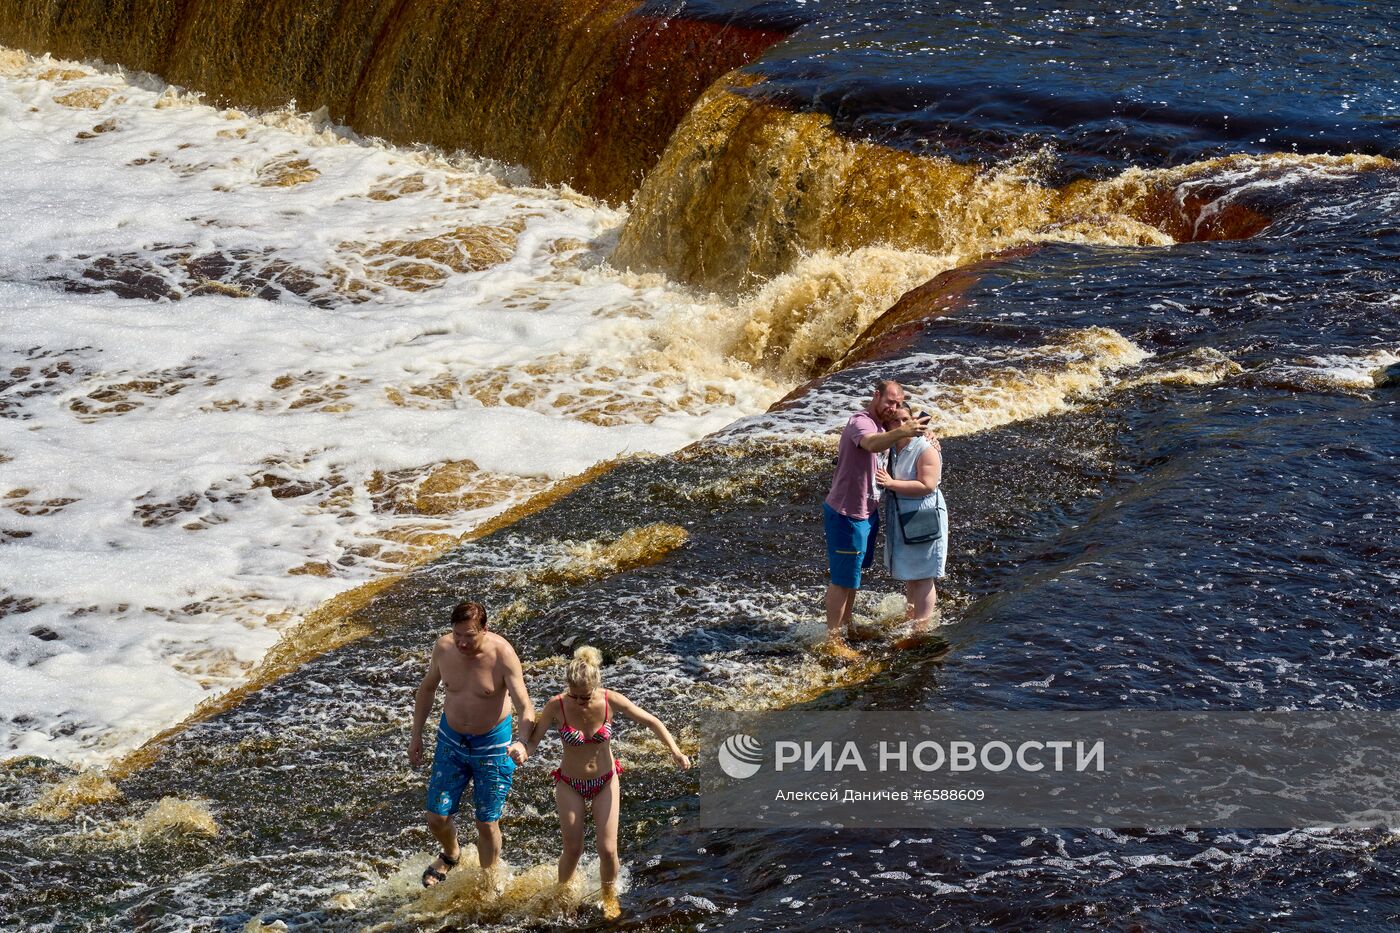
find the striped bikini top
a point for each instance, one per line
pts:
(571, 736)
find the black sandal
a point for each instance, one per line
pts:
(439, 876)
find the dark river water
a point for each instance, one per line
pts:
(1104, 85)
(1205, 522)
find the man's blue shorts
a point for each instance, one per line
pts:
(850, 546)
(481, 759)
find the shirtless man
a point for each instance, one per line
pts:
(480, 673)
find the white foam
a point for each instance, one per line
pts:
(1357, 372)
(321, 389)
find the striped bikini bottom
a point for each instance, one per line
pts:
(593, 786)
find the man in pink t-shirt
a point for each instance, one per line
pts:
(851, 512)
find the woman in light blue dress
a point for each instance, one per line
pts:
(915, 519)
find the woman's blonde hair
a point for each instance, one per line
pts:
(584, 673)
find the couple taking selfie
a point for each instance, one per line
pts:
(888, 470)
(481, 678)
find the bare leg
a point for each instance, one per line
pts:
(488, 844)
(605, 810)
(571, 819)
(921, 596)
(840, 601)
(445, 832)
(848, 609)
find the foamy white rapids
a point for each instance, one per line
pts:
(249, 362)
(1357, 372)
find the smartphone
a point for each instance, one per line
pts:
(923, 417)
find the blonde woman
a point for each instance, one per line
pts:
(589, 774)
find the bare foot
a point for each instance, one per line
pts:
(494, 879)
(563, 892)
(835, 647)
(932, 645)
(612, 908)
(862, 632)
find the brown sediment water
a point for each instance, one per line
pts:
(586, 561)
(798, 323)
(1200, 367)
(786, 683)
(470, 895)
(747, 189)
(62, 800)
(547, 498)
(173, 815)
(916, 308)
(163, 819)
(637, 547)
(828, 231)
(1077, 364)
(832, 243)
(419, 263)
(579, 91)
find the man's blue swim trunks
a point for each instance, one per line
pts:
(850, 546)
(481, 759)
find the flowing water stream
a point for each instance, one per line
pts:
(280, 386)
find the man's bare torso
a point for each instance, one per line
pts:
(474, 686)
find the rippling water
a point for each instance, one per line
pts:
(1102, 84)
(1170, 465)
